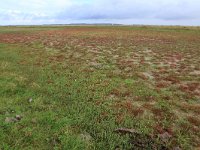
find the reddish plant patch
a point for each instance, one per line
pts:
(195, 121)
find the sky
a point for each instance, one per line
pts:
(148, 12)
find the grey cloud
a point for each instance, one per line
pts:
(129, 9)
(105, 10)
(95, 11)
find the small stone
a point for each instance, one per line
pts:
(86, 137)
(30, 100)
(10, 120)
(13, 119)
(18, 117)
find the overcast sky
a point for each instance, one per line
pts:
(155, 12)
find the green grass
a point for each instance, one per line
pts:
(59, 113)
(76, 106)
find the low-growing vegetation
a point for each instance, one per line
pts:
(96, 87)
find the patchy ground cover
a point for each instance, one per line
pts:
(99, 87)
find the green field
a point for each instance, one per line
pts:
(99, 87)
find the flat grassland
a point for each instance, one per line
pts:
(99, 87)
